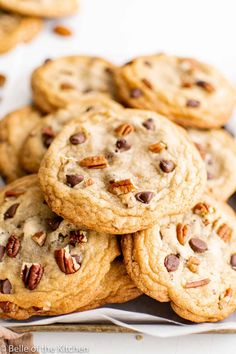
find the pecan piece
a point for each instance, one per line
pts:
(67, 263)
(3, 80)
(62, 31)
(124, 129)
(10, 213)
(225, 232)
(197, 283)
(78, 236)
(96, 162)
(13, 246)
(147, 83)
(193, 264)
(31, 274)
(157, 147)
(39, 238)
(182, 231)
(202, 209)
(7, 306)
(207, 86)
(121, 187)
(225, 298)
(88, 182)
(14, 193)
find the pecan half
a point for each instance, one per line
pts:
(67, 263)
(182, 231)
(225, 232)
(13, 246)
(96, 162)
(121, 187)
(31, 274)
(124, 129)
(39, 238)
(78, 236)
(197, 284)
(157, 147)
(193, 264)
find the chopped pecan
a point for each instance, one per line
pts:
(202, 209)
(2, 252)
(207, 86)
(157, 147)
(13, 246)
(182, 231)
(147, 83)
(14, 193)
(188, 65)
(88, 182)
(31, 274)
(3, 80)
(96, 162)
(197, 283)
(39, 238)
(7, 306)
(225, 232)
(62, 31)
(78, 236)
(67, 263)
(121, 187)
(124, 129)
(225, 298)
(193, 264)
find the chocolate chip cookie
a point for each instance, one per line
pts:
(41, 8)
(218, 150)
(14, 128)
(15, 29)
(43, 133)
(189, 92)
(62, 81)
(189, 260)
(47, 265)
(119, 172)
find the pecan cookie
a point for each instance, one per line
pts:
(188, 259)
(62, 81)
(14, 128)
(118, 172)
(189, 92)
(15, 29)
(47, 265)
(218, 150)
(41, 137)
(41, 8)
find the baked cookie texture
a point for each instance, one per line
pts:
(118, 173)
(14, 129)
(59, 82)
(191, 93)
(43, 133)
(41, 8)
(15, 29)
(189, 260)
(218, 150)
(47, 265)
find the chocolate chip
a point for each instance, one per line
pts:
(5, 286)
(47, 60)
(2, 252)
(192, 103)
(77, 236)
(13, 246)
(136, 93)
(77, 139)
(198, 245)
(147, 63)
(73, 180)
(147, 83)
(149, 124)
(89, 109)
(210, 176)
(47, 136)
(54, 223)
(123, 145)
(233, 261)
(10, 213)
(144, 197)
(171, 263)
(167, 166)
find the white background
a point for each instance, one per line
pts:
(118, 30)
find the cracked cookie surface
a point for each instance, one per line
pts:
(47, 265)
(189, 260)
(118, 172)
(191, 93)
(62, 81)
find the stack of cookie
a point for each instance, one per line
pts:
(21, 21)
(125, 201)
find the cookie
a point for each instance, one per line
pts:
(62, 81)
(189, 260)
(218, 150)
(191, 93)
(15, 29)
(40, 138)
(14, 128)
(41, 8)
(47, 265)
(118, 173)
